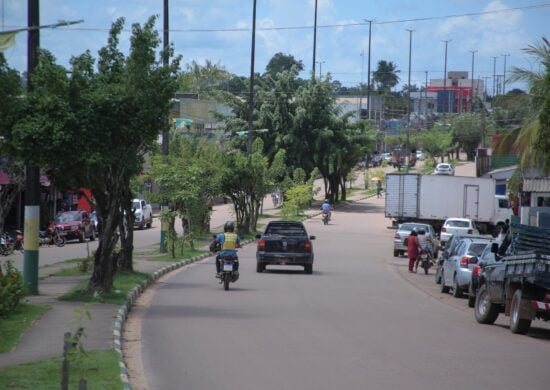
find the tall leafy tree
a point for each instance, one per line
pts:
(385, 77)
(467, 130)
(203, 79)
(283, 63)
(93, 128)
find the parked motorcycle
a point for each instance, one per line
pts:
(51, 236)
(426, 261)
(228, 273)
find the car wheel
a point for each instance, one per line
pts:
(308, 269)
(92, 236)
(444, 289)
(260, 267)
(150, 223)
(518, 325)
(485, 312)
(82, 236)
(457, 291)
(471, 301)
(395, 253)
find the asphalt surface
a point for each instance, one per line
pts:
(359, 322)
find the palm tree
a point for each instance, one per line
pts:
(385, 76)
(525, 138)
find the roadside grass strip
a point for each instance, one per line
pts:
(17, 323)
(100, 369)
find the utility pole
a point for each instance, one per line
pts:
(445, 77)
(472, 92)
(368, 69)
(251, 94)
(407, 149)
(426, 95)
(494, 75)
(32, 192)
(314, 38)
(320, 68)
(361, 89)
(166, 125)
(504, 76)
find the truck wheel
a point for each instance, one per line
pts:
(485, 311)
(308, 269)
(471, 301)
(444, 289)
(395, 253)
(518, 325)
(260, 267)
(457, 291)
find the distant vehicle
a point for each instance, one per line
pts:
(399, 158)
(457, 269)
(377, 159)
(444, 169)
(93, 218)
(420, 155)
(143, 213)
(75, 225)
(387, 157)
(404, 230)
(285, 243)
(458, 227)
(431, 199)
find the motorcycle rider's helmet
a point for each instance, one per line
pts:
(326, 201)
(229, 227)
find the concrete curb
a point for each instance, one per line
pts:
(131, 298)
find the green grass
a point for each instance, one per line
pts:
(70, 272)
(12, 327)
(122, 284)
(187, 254)
(99, 368)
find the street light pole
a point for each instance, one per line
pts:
(368, 69)
(407, 149)
(314, 39)
(251, 94)
(320, 68)
(361, 89)
(445, 76)
(504, 75)
(494, 76)
(472, 92)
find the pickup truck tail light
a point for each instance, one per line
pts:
(470, 231)
(443, 229)
(476, 271)
(464, 261)
(261, 245)
(307, 246)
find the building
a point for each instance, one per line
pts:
(454, 94)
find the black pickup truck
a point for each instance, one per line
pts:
(285, 243)
(518, 282)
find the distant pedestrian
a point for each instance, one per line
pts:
(379, 188)
(412, 249)
(274, 199)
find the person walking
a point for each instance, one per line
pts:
(379, 188)
(412, 249)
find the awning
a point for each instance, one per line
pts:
(536, 185)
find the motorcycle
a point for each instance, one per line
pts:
(6, 244)
(426, 260)
(325, 218)
(52, 235)
(228, 273)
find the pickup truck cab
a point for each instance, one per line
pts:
(518, 282)
(143, 213)
(285, 243)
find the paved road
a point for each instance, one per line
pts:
(356, 323)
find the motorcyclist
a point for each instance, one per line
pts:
(425, 243)
(228, 243)
(326, 208)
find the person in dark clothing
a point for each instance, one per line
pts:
(412, 249)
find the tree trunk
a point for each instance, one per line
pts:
(126, 230)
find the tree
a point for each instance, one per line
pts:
(283, 63)
(93, 129)
(385, 76)
(435, 142)
(468, 131)
(11, 109)
(203, 79)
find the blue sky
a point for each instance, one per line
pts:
(491, 34)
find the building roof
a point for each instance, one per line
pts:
(536, 185)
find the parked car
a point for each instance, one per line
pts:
(143, 213)
(486, 258)
(387, 157)
(457, 269)
(448, 251)
(285, 243)
(75, 225)
(444, 169)
(377, 159)
(420, 155)
(457, 226)
(405, 229)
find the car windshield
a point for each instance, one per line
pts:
(135, 205)
(67, 217)
(408, 227)
(285, 230)
(475, 249)
(443, 166)
(459, 224)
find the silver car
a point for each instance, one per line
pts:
(405, 229)
(444, 169)
(457, 227)
(457, 269)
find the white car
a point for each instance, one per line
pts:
(420, 155)
(143, 213)
(444, 169)
(457, 226)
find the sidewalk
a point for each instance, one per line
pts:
(44, 339)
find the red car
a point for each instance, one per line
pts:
(75, 225)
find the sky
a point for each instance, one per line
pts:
(220, 31)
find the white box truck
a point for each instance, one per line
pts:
(434, 198)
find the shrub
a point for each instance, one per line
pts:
(12, 289)
(298, 199)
